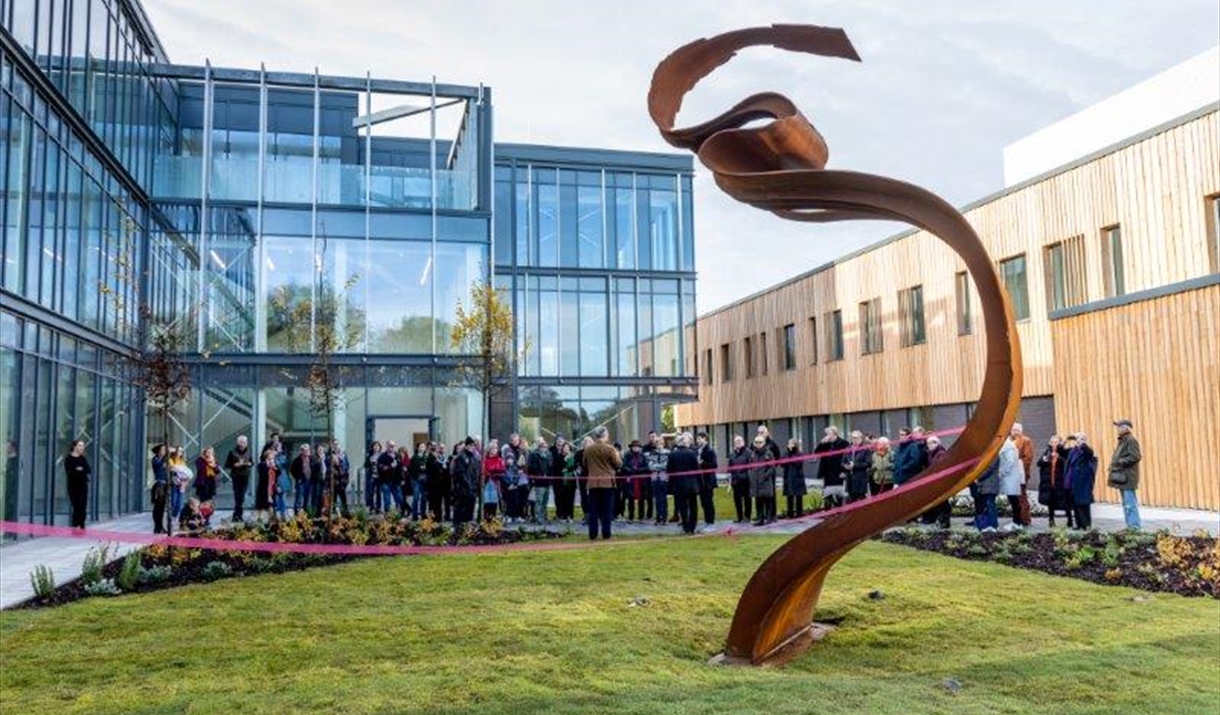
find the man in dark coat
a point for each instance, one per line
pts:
(1125, 472)
(912, 455)
(708, 462)
(467, 471)
(830, 466)
(739, 479)
(682, 465)
(1079, 475)
(238, 465)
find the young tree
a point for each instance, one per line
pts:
(484, 329)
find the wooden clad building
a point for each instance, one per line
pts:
(1112, 263)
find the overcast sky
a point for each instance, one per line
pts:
(942, 88)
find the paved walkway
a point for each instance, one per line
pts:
(65, 555)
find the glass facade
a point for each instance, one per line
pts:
(260, 212)
(596, 251)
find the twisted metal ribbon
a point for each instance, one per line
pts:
(780, 167)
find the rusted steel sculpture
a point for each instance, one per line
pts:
(780, 167)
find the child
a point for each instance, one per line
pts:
(180, 478)
(191, 519)
(283, 483)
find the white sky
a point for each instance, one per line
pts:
(942, 88)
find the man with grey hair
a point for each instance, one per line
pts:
(682, 466)
(238, 465)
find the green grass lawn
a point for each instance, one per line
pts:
(553, 633)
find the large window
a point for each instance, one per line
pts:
(870, 327)
(1065, 273)
(764, 359)
(834, 335)
(726, 362)
(965, 315)
(707, 367)
(1112, 261)
(790, 347)
(749, 357)
(910, 316)
(1016, 282)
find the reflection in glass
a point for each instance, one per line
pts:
(589, 227)
(399, 286)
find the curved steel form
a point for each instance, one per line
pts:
(780, 167)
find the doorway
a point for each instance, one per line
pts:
(403, 430)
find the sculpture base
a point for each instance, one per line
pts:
(791, 648)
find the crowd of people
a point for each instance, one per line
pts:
(517, 481)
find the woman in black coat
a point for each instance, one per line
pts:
(1052, 489)
(1080, 472)
(794, 481)
(78, 471)
(856, 466)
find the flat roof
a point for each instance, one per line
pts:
(1135, 139)
(659, 161)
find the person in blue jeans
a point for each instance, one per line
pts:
(301, 470)
(1125, 471)
(986, 487)
(389, 474)
(417, 472)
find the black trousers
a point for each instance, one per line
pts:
(796, 505)
(339, 496)
(1084, 515)
(240, 483)
(765, 506)
(78, 496)
(707, 500)
(687, 510)
(741, 500)
(1014, 501)
(601, 511)
(463, 510)
(436, 505)
(158, 496)
(565, 499)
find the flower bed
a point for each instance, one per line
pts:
(1185, 565)
(158, 567)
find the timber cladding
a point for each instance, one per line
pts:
(1157, 363)
(1154, 189)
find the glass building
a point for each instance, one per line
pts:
(258, 212)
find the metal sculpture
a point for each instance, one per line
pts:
(779, 167)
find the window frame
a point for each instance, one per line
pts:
(872, 340)
(789, 341)
(1020, 309)
(913, 322)
(964, 303)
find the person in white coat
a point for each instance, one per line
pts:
(1012, 477)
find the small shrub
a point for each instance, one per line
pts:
(95, 560)
(129, 574)
(1002, 554)
(213, 570)
(1114, 575)
(42, 578)
(977, 550)
(814, 501)
(154, 574)
(103, 587)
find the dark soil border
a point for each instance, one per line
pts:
(1160, 562)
